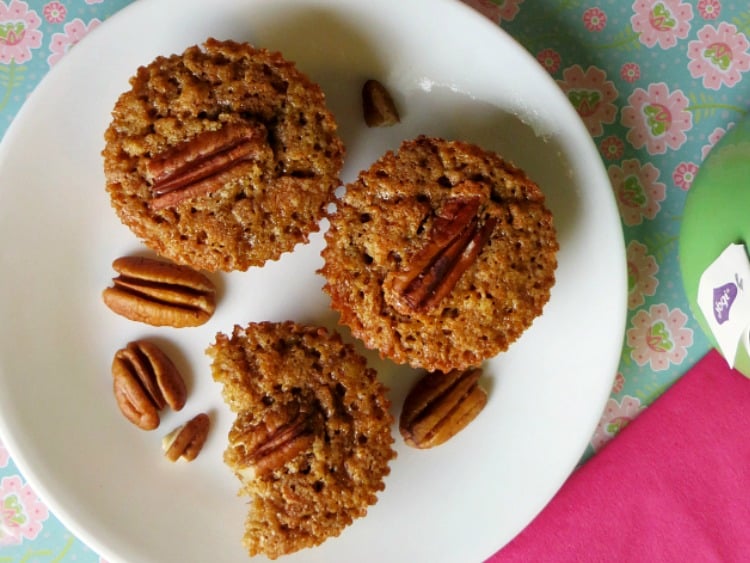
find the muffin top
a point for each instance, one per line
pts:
(312, 437)
(222, 157)
(440, 255)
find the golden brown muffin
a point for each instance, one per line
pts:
(222, 157)
(440, 254)
(312, 438)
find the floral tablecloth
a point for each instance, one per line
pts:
(657, 82)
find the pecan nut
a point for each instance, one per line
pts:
(186, 441)
(456, 239)
(160, 293)
(203, 164)
(378, 106)
(145, 381)
(440, 405)
(271, 443)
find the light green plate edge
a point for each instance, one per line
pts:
(717, 214)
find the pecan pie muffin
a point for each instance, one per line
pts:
(440, 255)
(311, 440)
(222, 157)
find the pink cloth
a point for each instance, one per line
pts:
(674, 485)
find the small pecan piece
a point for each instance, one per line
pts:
(270, 444)
(186, 441)
(204, 164)
(144, 381)
(455, 241)
(378, 106)
(160, 293)
(440, 405)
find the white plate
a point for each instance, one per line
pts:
(454, 74)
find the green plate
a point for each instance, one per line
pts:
(717, 213)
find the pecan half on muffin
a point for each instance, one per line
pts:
(222, 157)
(440, 255)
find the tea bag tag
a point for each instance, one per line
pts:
(724, 299)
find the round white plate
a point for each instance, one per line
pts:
(454, 74)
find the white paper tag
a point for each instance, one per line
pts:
(724, 299)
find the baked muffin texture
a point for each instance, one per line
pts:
(312, 438)
(222, 157)
(440, 255)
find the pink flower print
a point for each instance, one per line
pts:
(612, 148)
(641, 269)
(54, 12)
(508, 8)
(630, 72)
(659, 337)
(709, 9)
(592, 95)
(661, 21)
(637, 192)
(684, 175)
(496, 10)
(619, 383)
(594, 19)
(713, 138)
(18, 32)
(616, 417)
(657, 118)
(719, 56)
(75, 30)
(21, 512)
(487, 8)
(549, 59)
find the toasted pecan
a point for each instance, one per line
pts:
(160, 293)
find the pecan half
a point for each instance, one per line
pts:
(204, 164)
(186, 441)
(160, 293)
(455, 241)
(145, 381)
(378, 106)
(440, 405)
(275, 441)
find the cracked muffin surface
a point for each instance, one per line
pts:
(440, 255)
(222, 157)
(312, 437)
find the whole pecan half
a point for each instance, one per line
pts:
(203, 164)
(145, 381)
(160, 293)
(440, 405)
(186, 441)
(455, 240)
(269, 444)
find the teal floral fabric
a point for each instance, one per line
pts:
(656, 82)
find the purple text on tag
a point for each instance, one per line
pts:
(724, 296)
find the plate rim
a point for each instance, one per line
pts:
(8, 436)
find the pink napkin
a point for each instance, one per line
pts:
(674, 485)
